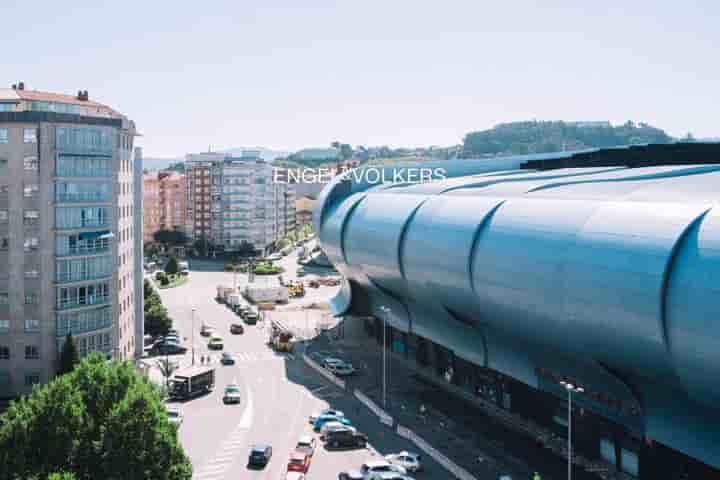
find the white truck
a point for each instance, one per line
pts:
(265, 293)
(223, 292)
(234, 299)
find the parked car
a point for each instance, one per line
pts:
(206, 330)
(306, 444)
(350, 475)
(327, 411)
(175, 416)
(328, 361)
(185, 271)
(380, 466)
(334, 427)
(236, 328)
(345, 439)
(323, 419)
(232, 394)
(251, 316)
(227, 359)
(341, 369)
(299, 462)
(294, 476)
(168, 349)
(260, 455)
(319, 357)
(216, 343)
(409, 460)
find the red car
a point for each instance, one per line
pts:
(299, 462)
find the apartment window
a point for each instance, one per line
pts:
(32, 325)
(3, 135)
(30, 190)
(31, 216)
(31, 352)
(30, 243)
(30, 163)
(32, 379)
(4, 298)
(29, 135)
(3, 188)
(30, 298)
(4, 326)
(31, 273)
(3, 216)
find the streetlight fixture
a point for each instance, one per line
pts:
(570, 389)
(386, 311)
(193, 335)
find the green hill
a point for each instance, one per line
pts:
(519, 138)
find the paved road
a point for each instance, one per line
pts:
(279, 393)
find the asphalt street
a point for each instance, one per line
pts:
(279, 392)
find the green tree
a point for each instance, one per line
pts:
(172, 268)
(202, 246)
(170, 237)
(61, 476)
(157, 321)
(102, 420)
(167, 367)
(69, 356)
(246, 249)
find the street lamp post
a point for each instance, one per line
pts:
(570, 389)
(193, 336)
(385, 311)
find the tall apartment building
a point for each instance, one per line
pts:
(66, 233)
(164, 202)
(233, 200)
(201, 220)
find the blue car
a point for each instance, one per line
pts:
(323, 419)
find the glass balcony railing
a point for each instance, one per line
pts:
(86, 301)
(82, 197)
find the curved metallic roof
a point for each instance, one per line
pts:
(617, 268)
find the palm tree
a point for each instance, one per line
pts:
(167, 368)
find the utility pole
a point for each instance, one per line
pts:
(193, 336)
(385, 311)
(570, 389)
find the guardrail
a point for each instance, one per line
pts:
(314, 365)
(384, 417)
(430, 451)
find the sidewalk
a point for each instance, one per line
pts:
(470, 436)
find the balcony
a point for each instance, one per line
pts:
(82, 197)
(70, 277)
(82, 301)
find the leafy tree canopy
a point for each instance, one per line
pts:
(170, 237)
(69, 356)
(102, 420)
(172, 267)
(544, 137)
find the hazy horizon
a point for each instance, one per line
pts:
(283, 76)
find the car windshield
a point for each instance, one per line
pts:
(232, 389)
(173, 414)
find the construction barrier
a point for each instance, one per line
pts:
(384, 417)
(314, 365)
(430, 451)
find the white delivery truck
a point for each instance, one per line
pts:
(234, 299)
(266, 293)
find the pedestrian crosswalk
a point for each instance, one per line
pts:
(251, 357)
(230, 450)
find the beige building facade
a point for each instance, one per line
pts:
(66, 233)
(164, 203)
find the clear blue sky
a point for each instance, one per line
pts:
(294, 73)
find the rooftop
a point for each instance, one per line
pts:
(20, 95)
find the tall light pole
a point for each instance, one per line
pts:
(385, 311)
(193, 335)
(570, 389)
